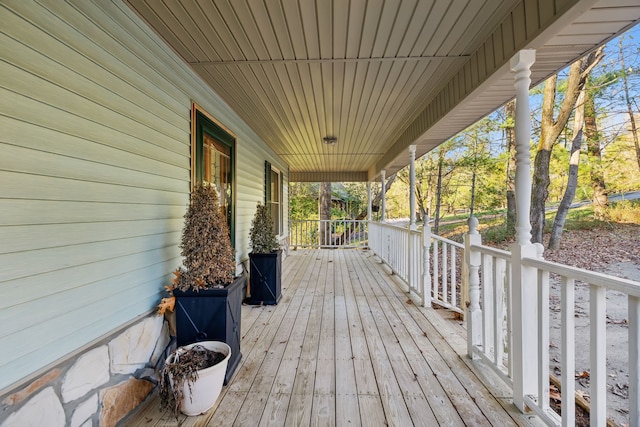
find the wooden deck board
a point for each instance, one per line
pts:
(347, 347)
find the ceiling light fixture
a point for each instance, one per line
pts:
(330, 140)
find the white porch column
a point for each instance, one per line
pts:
(521, 66)
(369, 211)
(473, 261)
(383, 200)
(525, 325)
(412, 187)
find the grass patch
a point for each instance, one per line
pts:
(494, 231)
(581, 218)
(626, 212)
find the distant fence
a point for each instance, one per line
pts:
(338, 233)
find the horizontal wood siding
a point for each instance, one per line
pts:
(94, 174)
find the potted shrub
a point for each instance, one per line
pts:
(265, 260)
(205, 296)
(192, 377)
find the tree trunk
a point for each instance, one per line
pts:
(572, 180)
(422, 214)
(594, 152)
(324, 209)
(550, 129)
(474, 172)
(438, 196)
(632, 120)
(510, 110)
(569, 193)
(473, 191)
(539, 194)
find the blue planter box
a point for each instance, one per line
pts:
(265, 279)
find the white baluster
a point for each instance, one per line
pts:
(445, 273)
(499, 269)
(598, 355)
(488, 312)
(568, 349)
(543, 334)
(634, 360)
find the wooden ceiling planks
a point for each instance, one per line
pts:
(373, 73)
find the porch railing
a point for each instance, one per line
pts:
(430, 265)
(508, 326)
(338, 233)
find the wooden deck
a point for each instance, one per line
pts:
(345, 346)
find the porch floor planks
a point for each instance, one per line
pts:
(395, 343)
(346, 403)
(277, 340)
(366, 390)
(345, 347)
(323, 408)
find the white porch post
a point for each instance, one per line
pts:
(369, 214)
(412, 187)
(383, 201)
(473, 261)
(525, 328)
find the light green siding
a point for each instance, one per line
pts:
(94, 174)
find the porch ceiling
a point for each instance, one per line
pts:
(378, 75)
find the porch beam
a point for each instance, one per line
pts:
(333, 60)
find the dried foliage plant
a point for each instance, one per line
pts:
(183, 369)
(209, 260)
(261, 234)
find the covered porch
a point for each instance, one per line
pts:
(101, 109)
(347, 346)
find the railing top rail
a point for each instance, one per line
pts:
(389, 225)
(498, 253)
(445, 240)
(592, 277)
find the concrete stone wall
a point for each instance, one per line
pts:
(96, 388)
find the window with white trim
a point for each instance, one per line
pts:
(273, 196)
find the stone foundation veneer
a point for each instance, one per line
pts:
(97, 388)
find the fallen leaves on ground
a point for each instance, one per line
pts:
(598, 248)
(583, 374)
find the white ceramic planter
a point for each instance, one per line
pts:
(205, 391)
